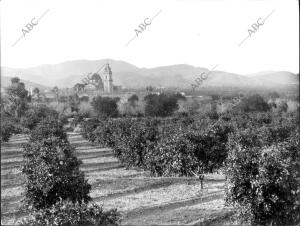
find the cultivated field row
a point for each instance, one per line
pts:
(140, 198)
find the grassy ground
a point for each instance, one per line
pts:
(142, 200)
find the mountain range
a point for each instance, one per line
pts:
(67, 74)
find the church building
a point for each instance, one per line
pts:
(97, 84)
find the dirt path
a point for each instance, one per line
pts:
(141, 199)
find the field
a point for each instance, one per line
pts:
(141, 199)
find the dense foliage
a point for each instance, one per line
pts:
(105, 106)
(36, 114)
(165, 146)
(256, 145)
(72, 214)
(262, 169)
(51, 168)
(8, 127)
(56, 192)
(253, 103)
(13, 105)
(161, 105)
(49, 127)
(17, 97)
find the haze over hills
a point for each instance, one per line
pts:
(6, 81)
(67, 74)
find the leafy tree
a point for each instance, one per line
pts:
(51, 168)
(160, 105)
(52, 173)
(282, 106)
(56, 192)
(36, 114)
(171, 156)
(78, 87)
(261, 182)
(36, 93)
(105, 106)
(8, 127)
(74, 102)
(47, 128)
(213, 114)
(134, 143)
(15, 80)
(210, 148)
(253, 103)
(55, 90)
(149, 89)
(9, 123)
(215, 97)
(133, 99)
(18, 97)
(84, 99)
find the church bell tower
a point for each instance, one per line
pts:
(108, 82)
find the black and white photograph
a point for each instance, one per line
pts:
(148, 112)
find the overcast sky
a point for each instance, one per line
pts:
(199, 33)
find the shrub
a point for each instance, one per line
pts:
(133, 100)
(172, 156)
(72, 214)
(160, 105)
(131, 147)
(9, 126)
(48, 128)
(215, 97)
(169, 146)
(105, 106)
(52, 173)
(213, 114)
(261, 182)
(73, 102)
(88, 128)
(253, 103)
(17, 97)
(36, 114)
(7, 129)
(104, 133)
(78, 119)
(84, 99)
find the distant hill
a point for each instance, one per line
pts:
(6, 81)
(279, 77)
(67, 74)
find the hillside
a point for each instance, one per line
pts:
(66, 74)
(6, 81)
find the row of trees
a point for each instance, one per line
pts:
(159, 105)
(56, 191)
(165, 105)
(258, 153)
(165, 147)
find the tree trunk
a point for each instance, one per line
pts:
(201, 177)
